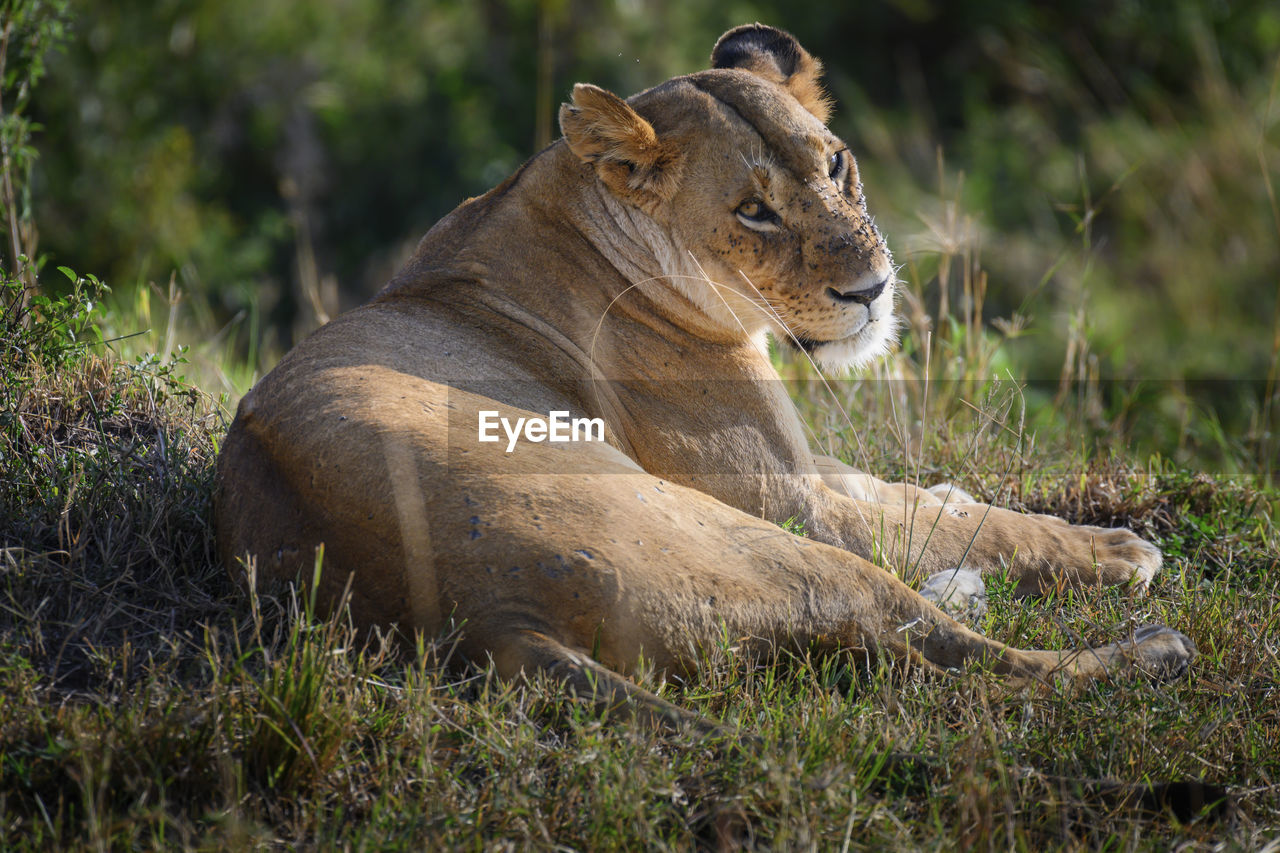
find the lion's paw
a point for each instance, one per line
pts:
(959, 592)
(1159, 651)
(950, 494)
(1121, 555)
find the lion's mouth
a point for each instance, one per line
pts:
(811, 345)
(873, 338)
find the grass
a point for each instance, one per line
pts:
(149, 703)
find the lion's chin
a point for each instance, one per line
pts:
(876, 337)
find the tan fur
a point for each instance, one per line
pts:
(615, 277)
(631, 161)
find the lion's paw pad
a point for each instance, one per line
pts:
(959, 592)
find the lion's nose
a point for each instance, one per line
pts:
(864, 296)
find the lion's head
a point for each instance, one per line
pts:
(751, 203)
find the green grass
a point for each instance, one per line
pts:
(149, 702)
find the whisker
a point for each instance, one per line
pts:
(761, 303)
(826, 385)
(770, 313)
(862, 450)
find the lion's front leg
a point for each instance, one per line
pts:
(861, 486)
(1040, 552)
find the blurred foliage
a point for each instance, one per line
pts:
(29, 29)
(232, 139)
(1112, 165)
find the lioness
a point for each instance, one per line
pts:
(623, 278)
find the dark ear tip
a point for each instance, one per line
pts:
(743, 30)
(740, 43)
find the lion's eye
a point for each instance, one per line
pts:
(754, 213)
(838, 166)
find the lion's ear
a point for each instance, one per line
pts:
(624, 149)
(776, 56)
